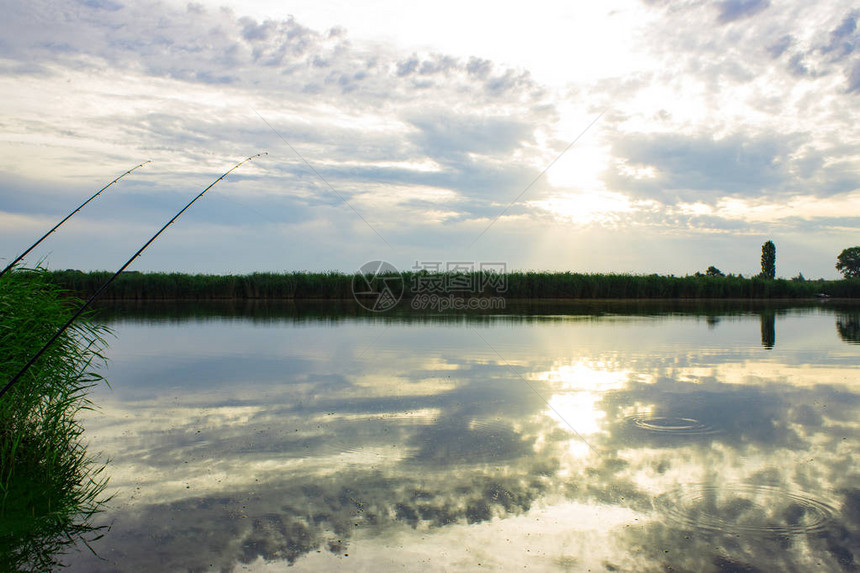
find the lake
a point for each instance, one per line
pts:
(601, 437)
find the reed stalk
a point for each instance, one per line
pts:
(50, 488)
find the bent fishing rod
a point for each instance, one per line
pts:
(115, 275)
(69, 216)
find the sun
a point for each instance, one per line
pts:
(576, 192)
(582, 208)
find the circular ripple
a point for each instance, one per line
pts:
(745, 509)
(489, 425)
(671, 425)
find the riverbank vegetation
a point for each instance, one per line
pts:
(50, 488)
(135, 286)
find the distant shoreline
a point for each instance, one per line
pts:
(514, 286)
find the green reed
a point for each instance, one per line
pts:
(50, 488)
(517, 285)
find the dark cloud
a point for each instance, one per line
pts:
(108, 5)
(439, 64)
(843, 38)
(837, 49)
(797, 66)
(479, 67)
(431, 65)
(407, 67)
(444, 134)
(701, 168)
(732, 10)
(854, 78)
(509, 82)
(779, 47)
(735, 55)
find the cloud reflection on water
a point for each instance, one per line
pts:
(334, 449)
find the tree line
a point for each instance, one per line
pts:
(847, 263)
(516, 285)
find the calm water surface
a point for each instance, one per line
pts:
(620, 438)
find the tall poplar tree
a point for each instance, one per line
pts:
(768, 260)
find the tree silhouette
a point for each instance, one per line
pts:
(848, 327)
(768, 260)
(768, 329)
(848, 263)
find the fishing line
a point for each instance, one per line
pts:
(69, 216)
(323, 179)
(537, 178)
(115, 275)
(539, 395)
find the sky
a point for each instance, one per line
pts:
(629, 136)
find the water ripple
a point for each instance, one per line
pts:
(671, 425)
(739, 508)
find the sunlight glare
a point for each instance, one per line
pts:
(586, 207)
(579, 390)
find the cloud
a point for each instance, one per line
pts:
(854, 78)
(779, 47)
(677, 168)
(108, 5)
(843, 38)
(814, 45)
(441, 133)
(732, 10)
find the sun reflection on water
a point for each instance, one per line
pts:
(577, 392)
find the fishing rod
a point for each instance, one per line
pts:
(116, 274)
(69, 216)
